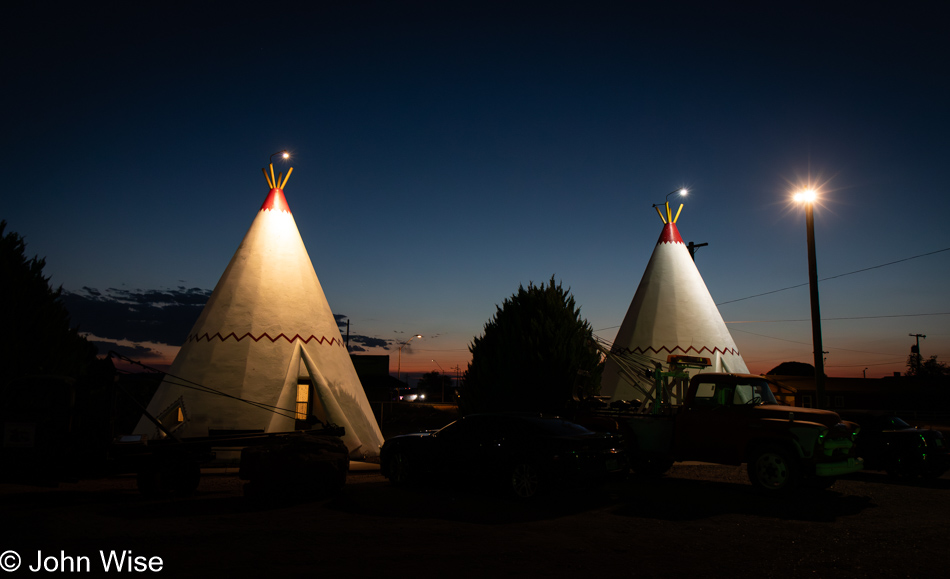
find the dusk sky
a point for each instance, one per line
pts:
(445, 153)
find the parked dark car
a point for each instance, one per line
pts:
(522, 453)
(888, 443)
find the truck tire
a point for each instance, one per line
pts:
(150, 481)
(774, 470)
(185, 478)
(399, 470)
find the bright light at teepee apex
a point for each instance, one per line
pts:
(806, 196)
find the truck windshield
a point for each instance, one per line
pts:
(754, 392)
(748, 392)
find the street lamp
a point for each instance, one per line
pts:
(808, 197)
(682, 191)
(285, 154)
(399, 365)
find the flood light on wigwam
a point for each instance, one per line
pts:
(671, 313)
(266, 352)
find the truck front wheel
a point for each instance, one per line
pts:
(774, 470)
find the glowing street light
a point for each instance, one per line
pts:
(682, 191)
(399, 364)
(285, 154)
(809, 197)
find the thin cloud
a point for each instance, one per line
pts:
(156, 316)
(159, 316)
(136, 352)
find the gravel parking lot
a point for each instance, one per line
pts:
(699, 519)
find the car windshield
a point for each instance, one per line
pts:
(894, 423)
(447, 429)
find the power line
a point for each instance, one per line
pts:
(835, 276)
(901, 361)
(841, 318)
(809, 344)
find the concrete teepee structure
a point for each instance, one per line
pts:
(268, 341)
(671, 313)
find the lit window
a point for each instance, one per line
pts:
(303, 400)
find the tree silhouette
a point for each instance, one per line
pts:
(530, 353)
(929, 368)
(792, 369)
(37, 337)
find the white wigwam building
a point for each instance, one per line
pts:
(269, 343)
(671, 313)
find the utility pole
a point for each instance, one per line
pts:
(916, 350)
(458, 380)
(692, 247)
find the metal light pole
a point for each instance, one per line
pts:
(399, 364)
(915, 350)
(808, 198)
(441, 379)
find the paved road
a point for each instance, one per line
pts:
(699, 520)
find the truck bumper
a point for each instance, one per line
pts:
(839, 468)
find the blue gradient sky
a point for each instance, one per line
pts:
(445, 155)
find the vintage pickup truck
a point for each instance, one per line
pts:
(734, 419)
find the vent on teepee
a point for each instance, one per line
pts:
(280, 182)
(275, 200)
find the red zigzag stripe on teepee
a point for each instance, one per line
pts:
(320, 340)
(675, 348)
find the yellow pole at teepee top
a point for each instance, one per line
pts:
(678, 213)
(284, 183)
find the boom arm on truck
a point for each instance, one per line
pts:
(661, 389)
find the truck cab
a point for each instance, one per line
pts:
(734, 419)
